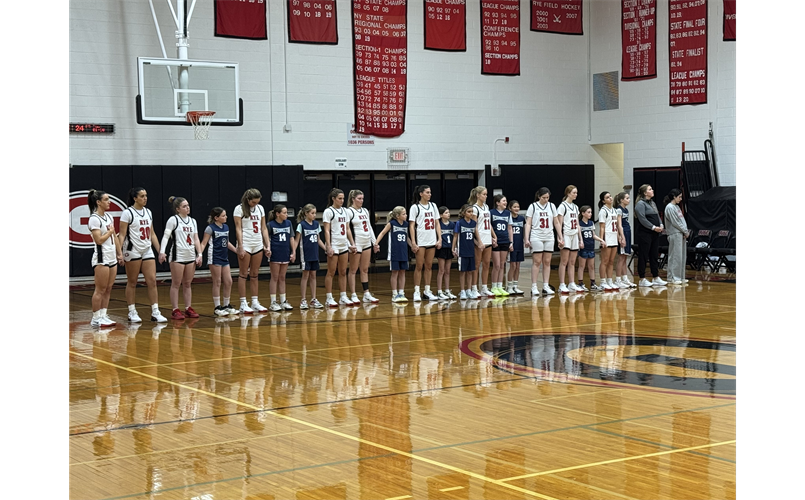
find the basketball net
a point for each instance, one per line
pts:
(201, 121)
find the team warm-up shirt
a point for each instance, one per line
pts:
(338, 218)
(425, 217)
(609, 218)
(398, 241)
(541, 220)
(362, 230)
(309, 242)
(500, 223)
(518, 224)
(138, 233)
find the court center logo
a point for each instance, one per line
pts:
(80, 236)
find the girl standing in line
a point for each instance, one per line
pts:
(180, 247)
(307, 239)
(398, 251)
(338, 241)
(425, 238)
(136, 239)
(677, 231)
(483, 253)
(568, 216)
(252, 240)
(106, 256)
(540, 221)
(444, 255)
(465, 246)
(501, 223)
(281, 252)
(218, 260)
(648, 232)
(622, 201)
(517, 255)
(587, 249)
(365, 243)
(608, 221)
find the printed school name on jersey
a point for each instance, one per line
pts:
(518, 224)
(467, 229)
(447, 231)
(503, 218)
(311, 232)
(341, 219)
(400, 229)
(254, 217)
(221, 234)
(282, 230)
(187, 229)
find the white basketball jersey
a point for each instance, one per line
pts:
(105, 223)
(570, 218)
(182, 232)
(338, 220)
(425, 217)
(362, 230)
(541, 220)
(138, 235)
(484, 223)
(250, 226)
(609, 217)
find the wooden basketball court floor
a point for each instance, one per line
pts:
(622, 395)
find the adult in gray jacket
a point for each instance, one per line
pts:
(677, 231)
(647, 235)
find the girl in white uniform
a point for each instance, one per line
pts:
(568, 218)
(137, 237)
(181, 232)
(252, 243)
(426, 237)
(483, 253)
(608, 221)
(365, 244)
(106, 256)
(338, 241)
(540, 221)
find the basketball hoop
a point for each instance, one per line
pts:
(201, 121)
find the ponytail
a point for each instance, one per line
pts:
(93, 198)
(601, 198)
(304, 211)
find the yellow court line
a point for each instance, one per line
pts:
(406, 454)
(454, 488)
(399, 498)
(617, 460)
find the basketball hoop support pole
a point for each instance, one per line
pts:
(181, 53)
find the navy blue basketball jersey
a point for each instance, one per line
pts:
(625, 220)
(280, 234)
(398, 241)
(518, 223)
(587, 232)
(219, 241)
(500, 224)
(465, 232)
(447, 233)
(309, 242)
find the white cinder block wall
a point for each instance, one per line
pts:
(651, 131)
(453, 112)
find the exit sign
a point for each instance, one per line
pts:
(397, 157)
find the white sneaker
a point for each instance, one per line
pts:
(605, 286)
(158, 317)
(315, 304)
(303, 305)
(441, 295)
(677, 282)
(617, 284)
(330, 302)
(563, 288)
(450, 295)
(582, 288)
(286, 306)
(534, 291)
(231, 310)
(486, 292)
(134, 317)
(463, 295)
(221, 311)
(275, 306)
(258, 307)
(430, 295)
(96, 322)
(345, 300)
(397, 299)
(517, 291)
(368, 297)
(355, 299)
(417, 298)
(546, 290)
(245, 309)
(571, 288)
(106, 321)
(659, 281)
(645, 282)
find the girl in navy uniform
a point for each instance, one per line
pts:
(180, 247)
(587, 249)
(398, 251)
(624, 239)
(281, 252)
(501, 224)
(465, 243)
(444, 255)
(136, 239)
(218, 260)
(106, 256)
(309, 242)
(517, 255)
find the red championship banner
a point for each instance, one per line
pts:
(241, 19)
(380, 48)
(729, 20)
(312, 21)
(500, 37)
(638, 39)
(446, 25)
(687, 47)
(556, 16)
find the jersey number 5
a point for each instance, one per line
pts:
(256, 226)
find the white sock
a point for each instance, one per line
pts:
(132, 307)
(254, 300)
(416, 289)
(343, 294)
(243, 300)
(273, 297)
(96, 314)
(103, 312)
(329, 296)
(282, 298)
(226, 300)
(216, 301)
(474, 288)
(394, 293)
(154, 308)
